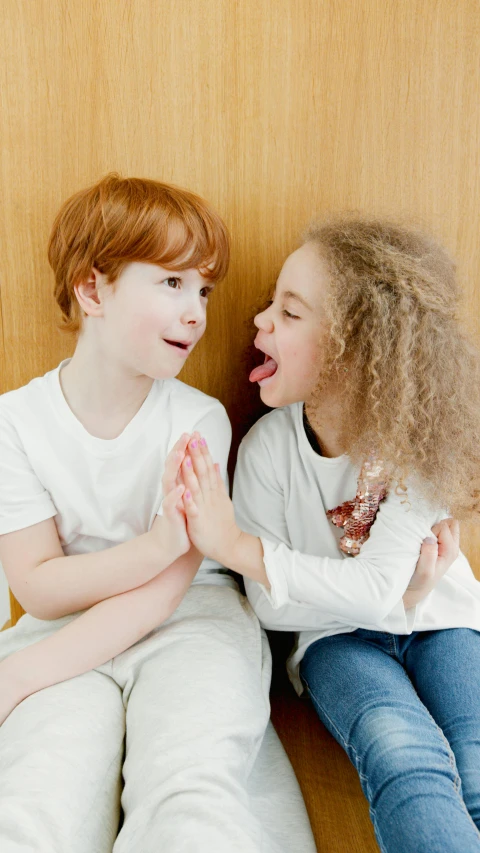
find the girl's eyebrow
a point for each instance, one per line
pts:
(290, 294)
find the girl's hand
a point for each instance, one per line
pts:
(436, 557)
(210, 516)
(169, 531)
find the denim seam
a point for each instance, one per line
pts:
(361, 776)
(451, 757)
(457, 782)
(394, 643)
(319, 705)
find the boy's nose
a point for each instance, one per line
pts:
(194, 314)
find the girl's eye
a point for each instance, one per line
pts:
(290, 316)
(205, 292)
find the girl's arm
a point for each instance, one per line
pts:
(364, 589)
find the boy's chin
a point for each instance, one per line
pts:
(159, 374)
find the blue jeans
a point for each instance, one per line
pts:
(406, 709)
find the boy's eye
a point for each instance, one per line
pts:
(290, 316)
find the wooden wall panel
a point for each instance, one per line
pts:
(2, 350)
(274, 111)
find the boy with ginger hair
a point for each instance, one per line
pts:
(132, 630)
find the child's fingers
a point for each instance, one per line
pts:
(446, 528)
(218, 474)
(198, 461)
(172, 467)
(448, 540)
(180, 483)
(180, 446)
(190, 478)
(190, 507)
(183, 441)
(173, 463)
(425, 568)
(170, 501)
(220, 481)
(452, 525)
(212, 475)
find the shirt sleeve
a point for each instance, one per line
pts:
(360, 590)
(260, 510)
(23, 499)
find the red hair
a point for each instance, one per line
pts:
(121, 220)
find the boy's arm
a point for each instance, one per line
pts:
(49, 585)
(106, 630)
(112, 625)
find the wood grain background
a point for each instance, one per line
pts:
(273, 111)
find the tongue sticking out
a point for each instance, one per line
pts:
(264, 370)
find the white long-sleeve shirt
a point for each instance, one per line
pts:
(282, 490)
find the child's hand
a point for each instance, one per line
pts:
(210, 516)
(435, 559)
(169, 530)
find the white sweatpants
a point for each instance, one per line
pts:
(192, 698)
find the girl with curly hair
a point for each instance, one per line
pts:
(376, 397)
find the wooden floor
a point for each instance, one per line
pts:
(335, 802)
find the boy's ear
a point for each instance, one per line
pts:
(89, 294)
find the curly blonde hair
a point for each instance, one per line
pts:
(409, 373)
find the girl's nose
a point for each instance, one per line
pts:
(263, 321)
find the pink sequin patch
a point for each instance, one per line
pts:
(357, 516)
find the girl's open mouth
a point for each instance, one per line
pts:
(265, 370)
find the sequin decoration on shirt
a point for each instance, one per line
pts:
(357, 516)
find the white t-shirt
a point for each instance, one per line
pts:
(101, 492)
(281, 492)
